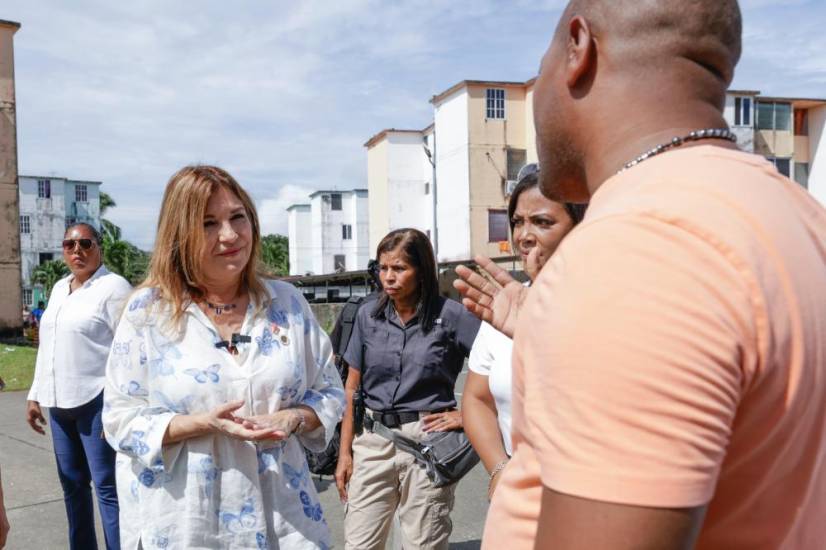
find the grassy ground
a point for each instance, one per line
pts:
(17, 366)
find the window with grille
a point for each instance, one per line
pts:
(772, 115)
(80, 193)
(742, 111)
(801, 173)
(784, 166)
(25, 225)
(44, 189)
(495, 103)
(497, 226)
(27, 297)
(339, 263)
(335, 201)
(517, 158)
(346, 231)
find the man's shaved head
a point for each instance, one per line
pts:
(622, 61)
(707, 32)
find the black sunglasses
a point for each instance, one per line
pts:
(69, 244)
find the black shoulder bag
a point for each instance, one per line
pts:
(445, 456)
(324, 463)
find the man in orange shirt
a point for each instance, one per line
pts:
(670, 361)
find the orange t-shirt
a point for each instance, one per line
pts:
(673, 354)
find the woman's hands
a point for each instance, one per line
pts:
(34, 416)
(281, 423)
(344, 471)
(442, 422)
(222, 420)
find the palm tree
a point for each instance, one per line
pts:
(106, 226)
(48, 273)
(275, 254)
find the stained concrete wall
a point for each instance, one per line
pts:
(11, 303)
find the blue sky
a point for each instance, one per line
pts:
(284, 96)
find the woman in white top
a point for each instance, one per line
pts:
(216, 382)
(76, 333)
(537, 225)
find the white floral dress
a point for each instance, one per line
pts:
(214, 491)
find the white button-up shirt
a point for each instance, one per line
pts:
(76, 332)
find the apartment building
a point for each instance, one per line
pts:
(787, 131)
(329, 233)
(400, 179)
(483, 133)
(11, 319)
(48, 205)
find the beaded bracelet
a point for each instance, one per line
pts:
(498, 468)
(301, 422)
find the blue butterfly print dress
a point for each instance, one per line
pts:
(255, 495)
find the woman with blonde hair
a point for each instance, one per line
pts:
(216, 381)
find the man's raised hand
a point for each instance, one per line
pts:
(496, 302)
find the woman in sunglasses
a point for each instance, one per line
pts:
(537, 225)
(76, 332)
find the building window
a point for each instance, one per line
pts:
(497, 226)
(774, 116)
(495, 103)
(801, 173)
(346, 231)
(44, 189)
(80, 193)
(427, 188)
(335, 201)
(801, 122)
(27, 297)
(742, 111)
(25, 225)
(339, 263)
(45, 257)
(784, 166)
(517, 158)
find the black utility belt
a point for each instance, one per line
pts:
(393, 419)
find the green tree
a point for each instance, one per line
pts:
(122, 257)
(106, 226)
(48, 273)
(275, 254)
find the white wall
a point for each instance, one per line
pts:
(745, 134)
(453, 176)
(361, 231)
(408, 205)
(817, 153)
(300, 240)
(47, 222)
(326, 231)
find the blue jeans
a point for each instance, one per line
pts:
(84, 456)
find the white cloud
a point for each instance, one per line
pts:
(272, 212)
(285, 94)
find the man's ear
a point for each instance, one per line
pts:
(580, 52)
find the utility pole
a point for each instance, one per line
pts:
(431, 157)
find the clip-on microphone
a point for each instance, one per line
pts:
(232, 345)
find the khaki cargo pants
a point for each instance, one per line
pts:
(384, 479)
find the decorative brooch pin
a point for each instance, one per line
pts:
(276, 332)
